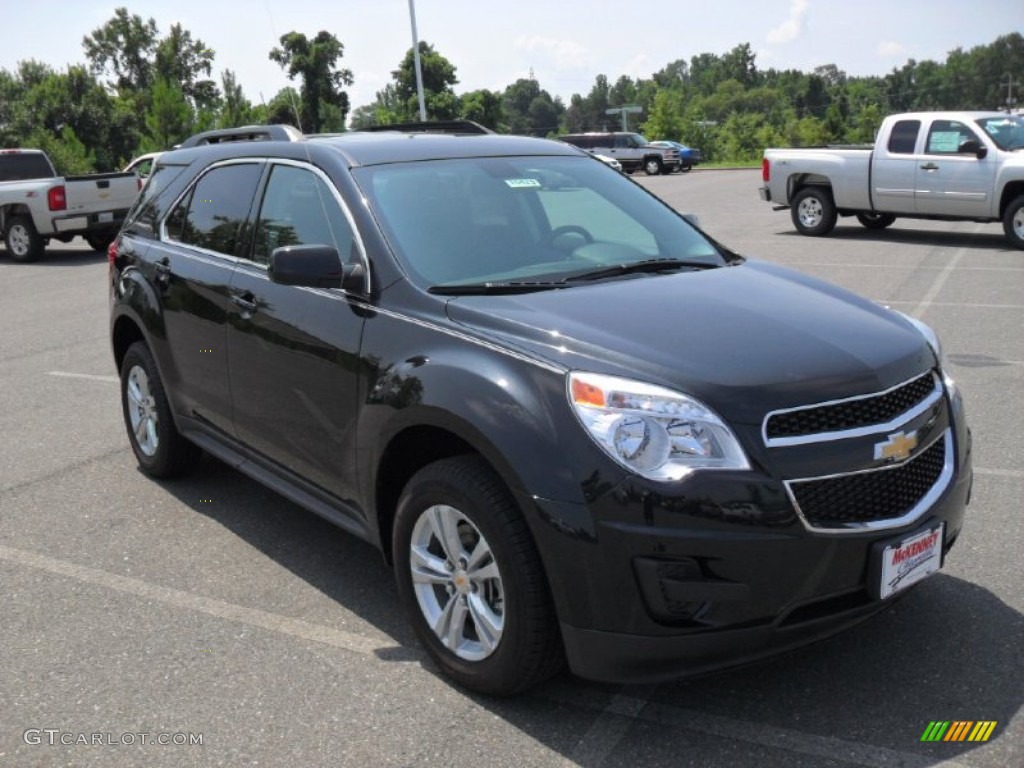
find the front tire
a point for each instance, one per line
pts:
(652, 166)
(813, 211)
(1013, 222)
(471, 579)
(159, 448)
(22, 240)
(876, 220)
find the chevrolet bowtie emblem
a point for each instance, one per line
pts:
(896, 447)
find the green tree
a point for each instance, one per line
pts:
(665, 120)
(315, 63)
(68, 155)
(169, 119)
(439, 79)
(123, 49)
(235, 109)
(180, 59)
(482, 106)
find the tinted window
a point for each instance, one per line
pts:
(300, 209)
(22, 166)
(521, 218)
(146, 212)
(211, 216)
(946, 136)
(904, 137)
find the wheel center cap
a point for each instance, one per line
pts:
(461, 581)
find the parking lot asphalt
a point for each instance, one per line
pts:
(209, 607)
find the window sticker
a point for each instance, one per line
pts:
(944, 141)
(523, 183)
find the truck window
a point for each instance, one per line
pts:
(903, 138)
(23, 166)
(946, 136)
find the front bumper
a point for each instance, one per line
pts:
(650, 586)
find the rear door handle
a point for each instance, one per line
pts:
(245, 301)
(929, 167)
(163, 272)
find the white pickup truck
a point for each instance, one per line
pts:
(924, 165)
(37, 205)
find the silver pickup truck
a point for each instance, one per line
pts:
(924, 165)
(37, 205)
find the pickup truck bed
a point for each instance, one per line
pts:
(36, 205)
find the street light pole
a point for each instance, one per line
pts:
(416, 62)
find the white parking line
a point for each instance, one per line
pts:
(188, 601)
(969, 304)
(940, 280)
(89, 376)
(1014, 473)
(602, 737)
(610, 727)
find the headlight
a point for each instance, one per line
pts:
(933, 341)
(652, 431)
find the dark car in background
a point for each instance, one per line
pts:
(577, 427)
(688, 156)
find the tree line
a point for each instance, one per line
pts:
(140, 91)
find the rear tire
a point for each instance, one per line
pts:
(100, 241)
(685, 168)
(813, 212)
(471, 579)
(1013, 222)
(876, 220)
(159, 448)
(22, 240)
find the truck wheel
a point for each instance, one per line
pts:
(1013, 222)
(813, 211)
(100, 241)
(652, 166)
(876, 220)
(159, 448)
(685, 168)
(471, 580)
(22, 240)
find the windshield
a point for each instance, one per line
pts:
(523, 220)
(1006, 131)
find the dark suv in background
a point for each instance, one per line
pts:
(632, 150)
(578, 427)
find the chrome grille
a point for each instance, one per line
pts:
(876, 498)
(879, 410)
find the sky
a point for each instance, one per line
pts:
(564, 43)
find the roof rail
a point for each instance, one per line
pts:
(459, 127)
(244, 133)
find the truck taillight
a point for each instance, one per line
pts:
(765, 170)
(57, 199)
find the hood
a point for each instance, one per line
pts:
(745, 339)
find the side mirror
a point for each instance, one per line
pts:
(972, 146)
(314, 266)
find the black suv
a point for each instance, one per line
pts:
(578, 427)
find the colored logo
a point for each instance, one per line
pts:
(958, 730)
(897, 447)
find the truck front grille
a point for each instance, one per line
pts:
(876, 498)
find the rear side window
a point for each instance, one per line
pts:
(300, 209)
(903, 138)
(145, 214)
(22, 166)
(213, 213)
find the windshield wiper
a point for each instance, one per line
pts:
(479, 289)
(636, 267)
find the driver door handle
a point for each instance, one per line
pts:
(929, 167)
(245, 301)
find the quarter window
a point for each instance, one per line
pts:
(212, 215)
(300, 209)
(903, 138)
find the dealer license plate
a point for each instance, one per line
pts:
(104, 217)
(906, 562)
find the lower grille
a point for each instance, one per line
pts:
(873, 498)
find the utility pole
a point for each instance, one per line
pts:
(416, 62)
(1010, 101)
